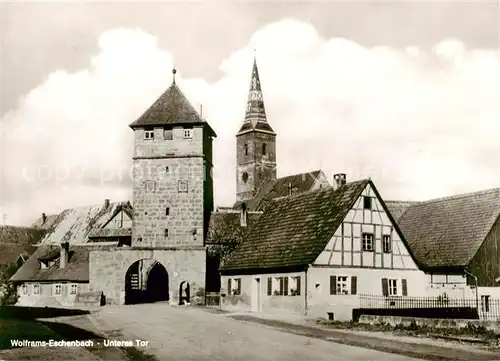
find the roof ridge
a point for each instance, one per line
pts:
(91, 206)
(299, 174)
(460, 196)
(33, 228)
(319, 190)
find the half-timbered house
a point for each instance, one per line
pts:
(316, 252)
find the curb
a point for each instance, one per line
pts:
(419, 351)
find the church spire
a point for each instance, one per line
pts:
(255, 115)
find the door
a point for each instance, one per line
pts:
(256, 295)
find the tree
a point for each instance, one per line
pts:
(8, 290)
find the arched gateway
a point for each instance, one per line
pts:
(146, 281)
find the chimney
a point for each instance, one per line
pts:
(44, 218)
(289, 189)
(243, 215)
(63, 259)
(339, 179)
(106, 203)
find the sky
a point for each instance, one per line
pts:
(405, 93)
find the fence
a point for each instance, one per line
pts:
(485, 307)
(212, 299)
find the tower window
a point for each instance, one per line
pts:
(182, 186)
(166, 232)
(167, 211)
(167, 134)
(167, 169)
(244, 177)
(188, 133)
(246, 149)
(264, 146)
(149, 134)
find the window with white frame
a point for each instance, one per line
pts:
(234, 286)
(118, 223)
(393, 287)
(58, 289)
(342, 285)
(149, 134)
(188, 133)
(277, 286)
(387, 243)
(294, 285)
(74, 288)
(24, 288)
(36, 289)
(367, 239)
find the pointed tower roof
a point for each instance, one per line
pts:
(171, 108)
(255, 116)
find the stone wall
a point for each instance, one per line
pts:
(430, 322)
(108, 269)
(171, 174)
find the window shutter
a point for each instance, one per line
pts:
(385, 287)
(281, 285)
(404, 286)
(286, 286)
(354, 285)
(269, 286)
(298, 286)
(333, 285)
(239, 286)
(229, 289)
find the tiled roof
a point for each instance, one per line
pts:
(294, 230)
(20, 235)
(16, 241)
(172, 107)
(398, 208)
(225, 226)
(110, 233)
(47, 224)
(272, 189)
(75, 224)
(77, 268)
(447, 232)
(9, 253)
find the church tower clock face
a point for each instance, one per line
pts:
(244, 177)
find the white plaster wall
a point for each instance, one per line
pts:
(269, 304)
(369, 281)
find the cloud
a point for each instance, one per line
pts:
(421, 123)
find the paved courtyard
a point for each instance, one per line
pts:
(195, 334)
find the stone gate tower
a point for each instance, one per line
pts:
(255, 144)
(173, 187)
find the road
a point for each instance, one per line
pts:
(194, 334)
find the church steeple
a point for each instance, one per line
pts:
(256, 144)
(255, 115)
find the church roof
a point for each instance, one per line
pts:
(171, 108)
(294, 230)
(281, 187)
(255, 116)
